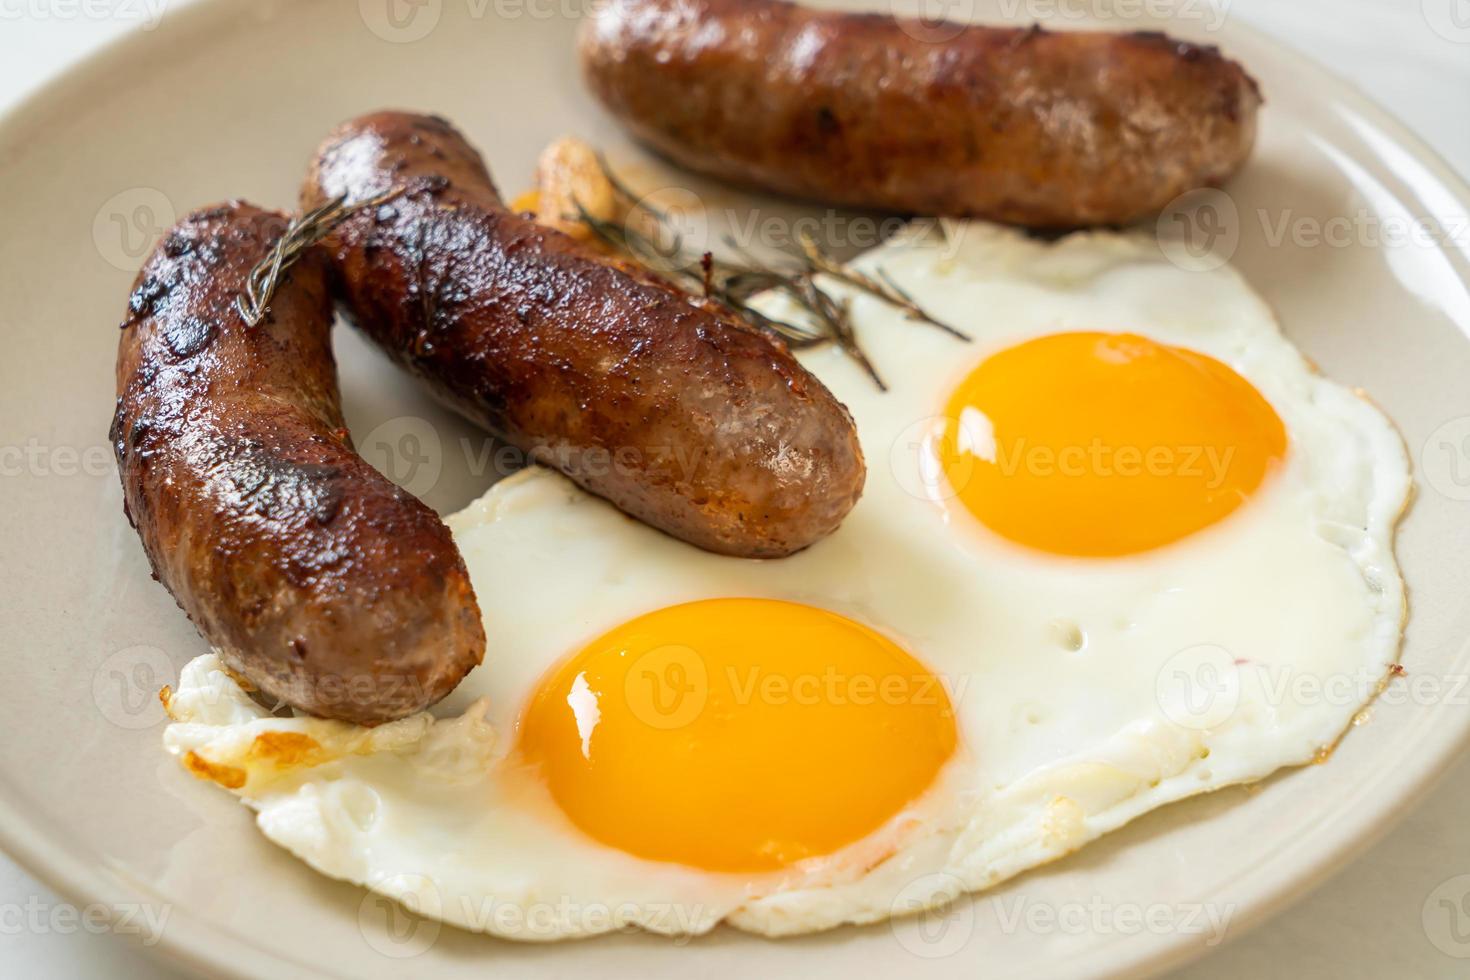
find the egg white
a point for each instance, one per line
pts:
(1062, 671)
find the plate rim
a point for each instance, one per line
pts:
(209, 949)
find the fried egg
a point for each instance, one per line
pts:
(1104, 539)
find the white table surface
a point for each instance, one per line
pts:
(1368, 921)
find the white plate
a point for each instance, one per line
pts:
(228, 99)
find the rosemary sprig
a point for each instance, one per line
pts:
(732, 284)
(883, 287)
(834, 317)
(302, 232)
(727, 284)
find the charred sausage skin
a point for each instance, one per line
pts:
(1020, 125)
(672, 409)
(312, 575)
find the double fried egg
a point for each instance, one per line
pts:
(1103, 540)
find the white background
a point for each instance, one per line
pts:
(1365, 922)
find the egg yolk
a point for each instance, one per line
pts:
(1095, 444)
(737, 734)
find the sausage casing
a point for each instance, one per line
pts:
(671, 408)
(1019, 125)
(312, 575)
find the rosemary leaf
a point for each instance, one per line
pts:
(883, 287)
(733, 284)
(302, 232)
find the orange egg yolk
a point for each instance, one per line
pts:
(1095, 444)
(737, 735)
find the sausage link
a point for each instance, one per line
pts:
(672, 409)
(312, 575)
(1019, 125)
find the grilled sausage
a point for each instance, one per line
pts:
(672, 409)
(312, 575)
(1019, 125)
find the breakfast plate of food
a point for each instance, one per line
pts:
(724, 486)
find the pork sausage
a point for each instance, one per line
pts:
(670, 407)
(1020, 125)
(313, 576)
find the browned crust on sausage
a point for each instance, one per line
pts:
(1019, 125)
(673, 410)
(311, 574)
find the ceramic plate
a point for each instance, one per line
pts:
(1346, 223)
